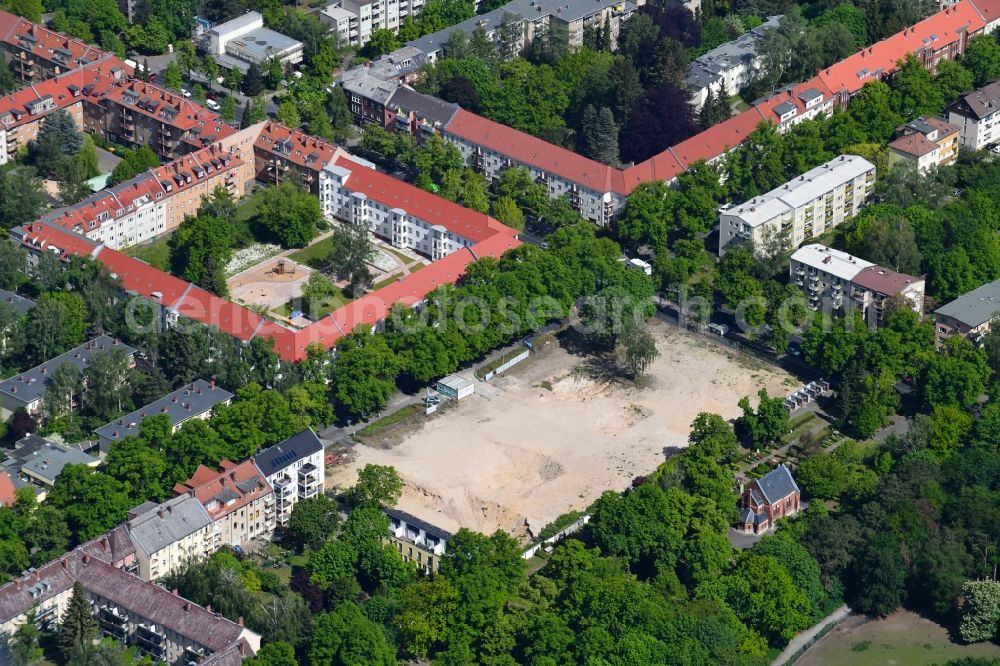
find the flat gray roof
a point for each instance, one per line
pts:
(186, 402)
(163, 524)
(237, 23)
(707, 69)
(29, 385)
(976, 307)
(264, 43)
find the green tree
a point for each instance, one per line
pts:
(77, 627)
(254, 112)
(92, 502)
(290, 215)
(273, 654)
(23, 195)
(381, 41)
(377, 486)
(227, 110)
(914, 93)
(172, 77)
(200, 249)
(953, 80)
(56, 324)
(312, 521)
(982, 58)
(600, 135)
(765, 427)
(877, 576)
(506, 210)
(108, 390)
(981, 611)
(23, 647)
(62, 392)
(364, 372)
(351, 250)
(345, 637)
(288, 115)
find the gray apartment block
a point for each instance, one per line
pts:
(192, 401)
(535, 16)
(25, 389)
(728, 67)
(36, 460)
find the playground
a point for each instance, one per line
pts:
(269, 284)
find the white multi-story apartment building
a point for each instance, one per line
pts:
(819, 199)
(417, 540)
(977, 116)
(729, 67)
(835, 280)
(355, 20)
(406, 216)
(294, 470)
(167, 535)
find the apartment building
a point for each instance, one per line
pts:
(368, 96)
(244, 40)
(294, 470)
(166, 536)
(797, 104)
(140, 114)
(23, 112)
(835, 280)
(281, 153)
(238, 500)
(355, 20)
(192, 401)
(977, 116)
(25, 390)
(402, 65)
(353, 191)
(592, 188)
(36, 53)
(416, 540)
(523, 19)
(37, 462)
(166, 627)
(820, 199)
(925, 142)
(970, 314)
(417, 114)
(120, 216)
(728, 68)
(186, 180)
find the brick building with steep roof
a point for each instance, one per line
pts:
(767, 499)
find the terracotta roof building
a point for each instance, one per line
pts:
(926, 142)
(238, 500)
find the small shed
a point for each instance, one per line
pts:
(455, 387)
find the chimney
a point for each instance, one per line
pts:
(175, 592)
(187, 606)
(239, 620)
(85, 559)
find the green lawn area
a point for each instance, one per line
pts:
(386, 282)
(738, 104)
(389, 420)
(308, 255)
(247, 208)
(156, 253)
(399, 255)
(902, 638)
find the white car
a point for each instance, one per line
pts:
(212, 104)
(185, 92)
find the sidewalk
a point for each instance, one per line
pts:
(805, 640)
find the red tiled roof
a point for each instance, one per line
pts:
(189, 116)
(206, 485)
(7, 490)
(86, 215)
(140, 278)
(302, 146)
(915, 144)
(718, 139)
(46, 41)
(14, 106)
(988, 9)
(228, 317)
(182, 172)
(531, 150)
(394, 193)
(884, 280)
(41, 236)
(878, 60)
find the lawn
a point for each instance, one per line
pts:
(386, 282)
(338, 300)
(156, 253)
(310, 254)
(375, 427)
(247, 208)
(902, 638)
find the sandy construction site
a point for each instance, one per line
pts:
(548, 438)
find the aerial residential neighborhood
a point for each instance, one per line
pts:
(454, 332)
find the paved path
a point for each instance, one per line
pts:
(806, 638)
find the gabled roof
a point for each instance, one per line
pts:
(240, 484)
(167, 523)
(296, 146)
(20, 304)
(915, 144)
(974, 308)
(276, 458)
(777, 484)
(110, 204)
(393, 193)
(187, 402)
(194, 168)
(885, 280)
(410, 519)
(530, 150)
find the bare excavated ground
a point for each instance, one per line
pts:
(552, 436)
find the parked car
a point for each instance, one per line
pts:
(212, 104)
(718, 329)
(185, 92)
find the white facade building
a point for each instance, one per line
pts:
(800, 209)
(353, 191)
(294, 470)
(245, 40)
(977, 116)
(833, 279)
(355, 20)
(729, 67)
(167, 535)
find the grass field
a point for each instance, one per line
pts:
(156, 254)
(247, 208)
(389, 420)
(902, 639)
(308, 255)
